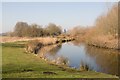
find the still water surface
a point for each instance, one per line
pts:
(79, 54)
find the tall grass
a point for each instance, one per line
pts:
(105, 31)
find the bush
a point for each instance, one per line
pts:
(33, 46)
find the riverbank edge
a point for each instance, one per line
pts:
(68, 68)
(104, 41)
(107, 42)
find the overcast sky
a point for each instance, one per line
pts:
(65, 14)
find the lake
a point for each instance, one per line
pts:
(80, 54)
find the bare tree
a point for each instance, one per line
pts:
(36, 30)
(52, 29)
(108, 23)
(20, 29)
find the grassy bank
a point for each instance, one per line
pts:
(43, 40)
(105, 33)
(103, 41)
(16, 63)
(93, 38)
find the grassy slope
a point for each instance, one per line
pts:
(17, 64)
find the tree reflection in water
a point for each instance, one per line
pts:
(50, 53)
(107, 59)
(82, 57)
(51, 49)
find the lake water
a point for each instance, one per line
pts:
(79, 54)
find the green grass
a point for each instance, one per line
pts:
(18, 64)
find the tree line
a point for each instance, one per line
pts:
(22, 29)
(105, 24)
